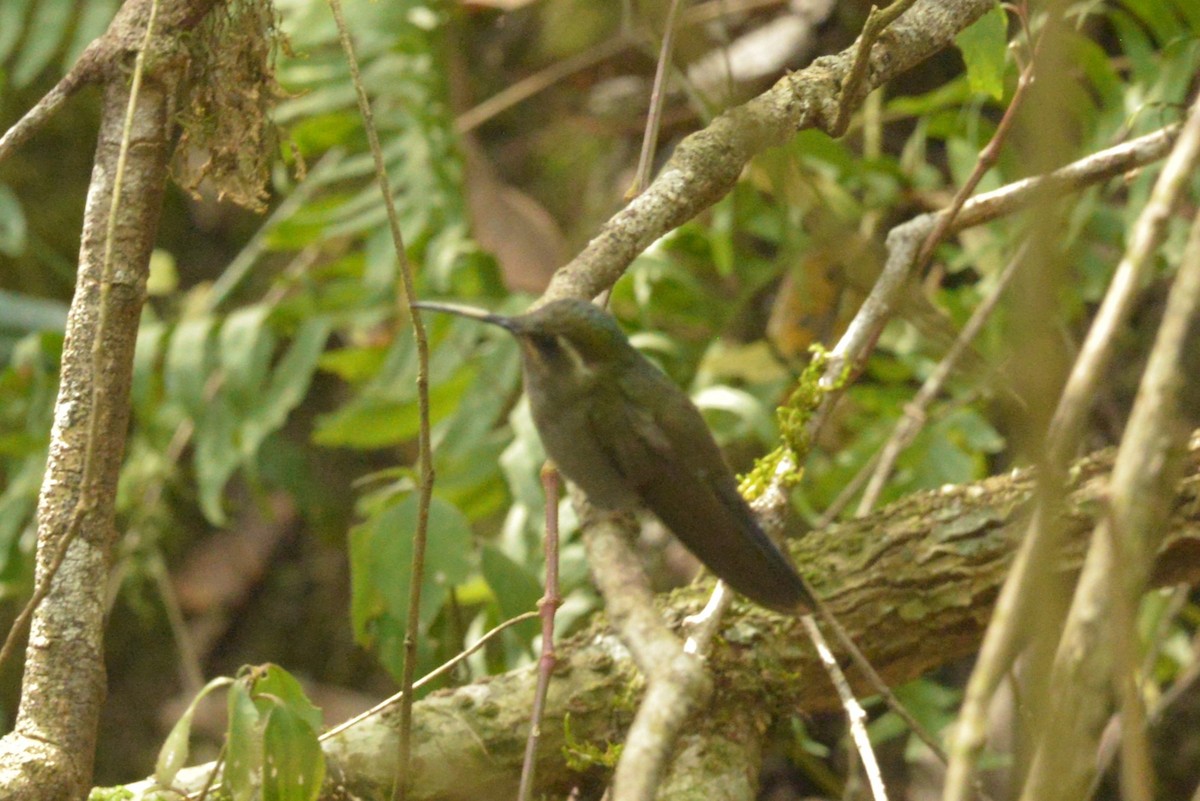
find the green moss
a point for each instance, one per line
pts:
(581, 756)
(111, 794)
(793, 418)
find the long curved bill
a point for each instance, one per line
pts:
(466, 311)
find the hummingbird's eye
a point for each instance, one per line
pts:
(547, 346)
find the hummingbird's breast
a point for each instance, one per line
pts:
(563, 408)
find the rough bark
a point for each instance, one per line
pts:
(49, 753)
(914, 584)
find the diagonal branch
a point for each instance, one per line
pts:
(914, 583)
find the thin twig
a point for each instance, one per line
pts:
(424, 462)
(855, 714)
(657, 95)
(905, 239)
(915, 411)
(1064, 432)
(432, 675)
(987, 158)
(876, 24)
(1120, 557)
(547, 606)
(677, 683)
(544, 78)
(1111, 739)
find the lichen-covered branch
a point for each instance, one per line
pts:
(914, 584)
(48, 755)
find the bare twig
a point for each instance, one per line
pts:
(1064, 431)
(677, 682)
(877, 22)
(855, 714)
(1118, 564)
(987, 158)
(915, 411)
(91, 67)
(904, 240)
(543, 79)
(424, 460)
(547, 606)
(657, 96)
(705, 165)
(432, 675)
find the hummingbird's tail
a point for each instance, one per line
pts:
(730, 542)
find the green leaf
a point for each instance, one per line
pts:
(11, 17)
(217, 455)
(983, 47)
(244, 353)
(373, 422)
(47, 30)
(188, 365)
(355, 364)
(288, 385)
(243, 754)
(750, 416)
(22, 313)
(380, 566)
(517, 590)
(174, 752)
(94, 19)
(278, 683)
(293, 763)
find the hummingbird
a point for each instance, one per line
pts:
(617, 427)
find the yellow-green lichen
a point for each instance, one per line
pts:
(581, 756)
(793, 418)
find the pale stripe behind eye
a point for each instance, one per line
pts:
(577, 361)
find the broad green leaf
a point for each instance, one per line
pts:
(146, 355)
(749, 415)
(12, 225)
(22, 313)
(11, 17)
(45, 34)
(243, 741)
(277, 682)
(354, 364)
(174, 752)
(983, 47)
(17, 503)
(381, 562)
(94, 19)
(371, 422)
(293, 763)
(516, 589)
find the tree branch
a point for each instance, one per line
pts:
(914, 584)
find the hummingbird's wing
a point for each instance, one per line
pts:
(657, 440)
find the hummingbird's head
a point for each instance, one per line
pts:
(563, 334)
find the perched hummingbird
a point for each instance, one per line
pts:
(614, 424)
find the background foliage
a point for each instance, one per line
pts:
(275, 375)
